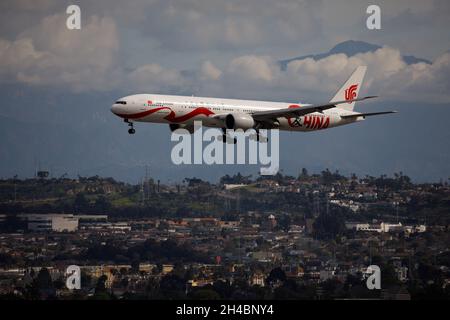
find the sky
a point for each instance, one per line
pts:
(224, 49)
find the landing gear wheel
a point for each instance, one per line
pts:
(230, 140)
(261, 138)
(130, 124)
(227, 139)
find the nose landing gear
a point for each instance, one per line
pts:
(130, 124)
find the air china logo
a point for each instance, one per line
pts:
(350, 93)
(310, 122)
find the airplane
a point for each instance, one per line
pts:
(182, 111)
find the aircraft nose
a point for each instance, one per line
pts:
(115, 108)
(119, 107)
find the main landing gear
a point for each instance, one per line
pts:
(260, 138)
(227, 139)
(130, 124)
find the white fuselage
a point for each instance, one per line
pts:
(184, 110)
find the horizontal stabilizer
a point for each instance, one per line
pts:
(350, 116)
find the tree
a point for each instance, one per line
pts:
(152, 289)
(303, 175)
(284, 222)
(81, 203)
(102, 204)
(179, 270)
(41, 286)
(44, 280)
(275, 275)
(12, 223)
(205, 294)
(101, 284)
(173, 287)
(329, 226)
(236, 179)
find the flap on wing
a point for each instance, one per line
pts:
(296, 112)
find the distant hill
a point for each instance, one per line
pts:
(350, 48)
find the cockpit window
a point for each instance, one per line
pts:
(121, 102)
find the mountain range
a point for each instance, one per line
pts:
(350, 48)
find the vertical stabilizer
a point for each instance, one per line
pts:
(350, 89)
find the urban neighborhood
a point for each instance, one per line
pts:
(311, 236)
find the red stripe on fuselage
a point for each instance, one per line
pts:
(140, 114)
(171, 116)
(198, 111)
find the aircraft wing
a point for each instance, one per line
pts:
(301, 111)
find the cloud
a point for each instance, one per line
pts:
(421, 82)
(208, 71)
(81, 60)
(50, 54)
(96, 58)
(155, 78)
(327, 74)
(388, 76)
(287, 26)
(227, 25)
(252, 68)
(89, 59)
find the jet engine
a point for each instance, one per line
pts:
(239, 121)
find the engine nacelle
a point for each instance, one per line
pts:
(175, 126)
(239, 121)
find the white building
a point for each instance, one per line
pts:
(387, 227)
(229, 186)
(51, 222)
(358, 226)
